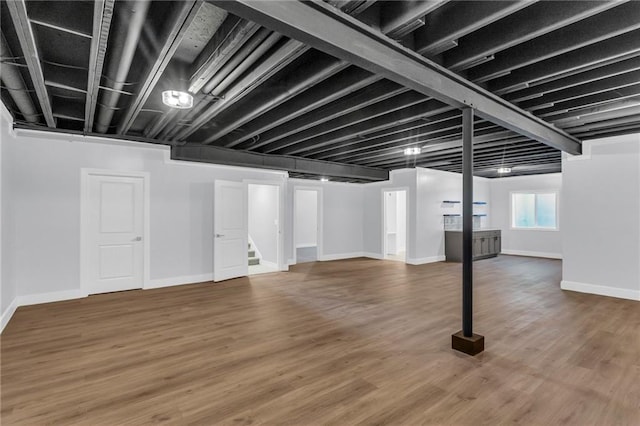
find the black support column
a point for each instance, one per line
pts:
(465, 340)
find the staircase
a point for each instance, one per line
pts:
(253, 260)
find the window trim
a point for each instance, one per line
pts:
(555, 192)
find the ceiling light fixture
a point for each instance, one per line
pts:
(177, 99)
(324, 179)
(503, 170)
(412, 151)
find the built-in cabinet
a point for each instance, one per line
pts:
(486, 243)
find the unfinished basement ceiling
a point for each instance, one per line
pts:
(100, 67)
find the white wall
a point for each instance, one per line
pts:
(45, 209)
(7, 286)
(434, 187)
(372, 212)
(306, 223)
(401, 215)
(601, 206)
(341, 221)
(523, 241)
(263, 220)
(396, 221)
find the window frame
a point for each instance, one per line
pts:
(555, 192)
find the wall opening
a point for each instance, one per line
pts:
(306, 225)
(264, 228)
(395, 225)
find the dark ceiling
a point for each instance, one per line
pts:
(100, 67)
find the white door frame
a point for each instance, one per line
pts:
(318, 190)
(282, 266)
(383, 192)
(85, 174)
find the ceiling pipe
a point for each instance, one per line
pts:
(131, 20)
(242, 53)
(250, 54)
(13, 80)
(296, 87)
(246, 64)
(264, 70)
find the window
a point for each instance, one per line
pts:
(534, 210)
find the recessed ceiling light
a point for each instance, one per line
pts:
(503, 170)
(412, 151)
(177, 99)
(324, 179)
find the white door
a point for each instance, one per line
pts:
(115, 225)
(230, 227)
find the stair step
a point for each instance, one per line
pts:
(254, 261)
(252, 253)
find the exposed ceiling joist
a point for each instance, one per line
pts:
(599, 116)
(324, 28)
(414, 127)
(401, 105)
(102, 16)
(601, 98)
(614, 107)
(377, 92)
(519, 27)
(610, 23)
(18, 11)
(576, 61)
(446, 25)
(218, 155)
(394, 139)
(188, 9)
(406, 13)
(288, 52)
(307, 76)
(351, 80)
(231, 35)
(593, 75)
(612, 83)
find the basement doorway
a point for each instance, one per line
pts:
(395, 225)
(264, 228)
(307, 240)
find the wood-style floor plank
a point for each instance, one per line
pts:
(359, 341)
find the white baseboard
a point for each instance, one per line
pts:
(54, 296)
(306, 245)
(602, 290)
(373, 255)
(8, 313)
(59, 296)
(169, 282)
(268, 264)
(340, 256)
(532, 253)
(425, 260)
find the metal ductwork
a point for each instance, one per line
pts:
(126, 35)
(12, 79)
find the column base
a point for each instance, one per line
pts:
(469, 345)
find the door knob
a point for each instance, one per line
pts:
(137, 239)
(219, 235)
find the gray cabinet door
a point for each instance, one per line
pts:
(484, 239)
(492, 244)
(477, 247)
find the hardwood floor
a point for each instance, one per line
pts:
(348, 342)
